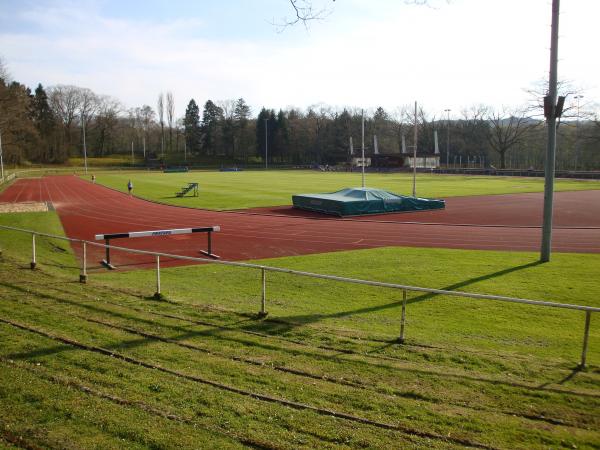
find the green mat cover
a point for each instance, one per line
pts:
(359, 201)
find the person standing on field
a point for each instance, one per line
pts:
(129, 187)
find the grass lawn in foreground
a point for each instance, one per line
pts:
(248, 189)
(300, 304)
(471, 372)
(55, 253)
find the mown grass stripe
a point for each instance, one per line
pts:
(17, 441)
(135, 404)
(322, 377)
(257, 396)
(518, 385)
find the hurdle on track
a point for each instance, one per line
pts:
(136, 234)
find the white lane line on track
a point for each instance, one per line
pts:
(394, 238)
(441, 241)
(309, 237)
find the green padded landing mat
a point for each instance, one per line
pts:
(359, 201)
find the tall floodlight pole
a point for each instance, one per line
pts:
(1, 160)
(414, 190)
(132, 157)
(578, 97)
(84, 144)
(551, 146)
(266, 145)
(144, 146)
(447, 137)
(363, 148)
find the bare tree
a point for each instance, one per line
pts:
(65, 102)
(147, 119)
(228, 126)
(106, 124)
(228, 107)
(170, 117)
(566, 89)
(160, 107)
(179, 132)
(87, 107)
(4, 75)
(88, 104)
(507, 129)
(470, 133)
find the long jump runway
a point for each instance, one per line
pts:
(487, 223)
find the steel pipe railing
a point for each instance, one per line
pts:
(264, 269)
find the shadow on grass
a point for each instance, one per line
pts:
(286, 324)
(224, 333)
(564, 380)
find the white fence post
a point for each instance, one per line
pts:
(586, 335)
(403, 319)
(83, 274)
(33, 261)
(263, 301)
(157, 294)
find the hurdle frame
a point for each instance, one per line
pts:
(155, 233)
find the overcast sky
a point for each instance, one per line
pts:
(366, 53)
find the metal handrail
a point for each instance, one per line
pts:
(264, 268)
(322, 276)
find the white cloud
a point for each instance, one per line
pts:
(470, 51)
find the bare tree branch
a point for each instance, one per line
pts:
(303, 12)
(507, 129)
(4, 74)
(170, 117)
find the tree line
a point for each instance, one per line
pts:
(49, 125)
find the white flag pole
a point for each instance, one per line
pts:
(415, 155)
(363, 149)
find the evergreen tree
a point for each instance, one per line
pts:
(212, 119)
(272, 131)
(191, 124)
(281, 137)
(263, 115)
(380, 115)
(241, 112)
(45, 123)
(341, 132)
(20, 138)
(241, 115)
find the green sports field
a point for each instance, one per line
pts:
(103, 365)
(249, 189)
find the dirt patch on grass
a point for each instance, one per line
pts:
(23, 207)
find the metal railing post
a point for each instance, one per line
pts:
(33, 261)
(263, 300)
(586, 335)
(83, 274)
(107, 252)
(403, 319)
(157, 294)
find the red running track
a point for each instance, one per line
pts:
(503, 222)
(578, 209)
